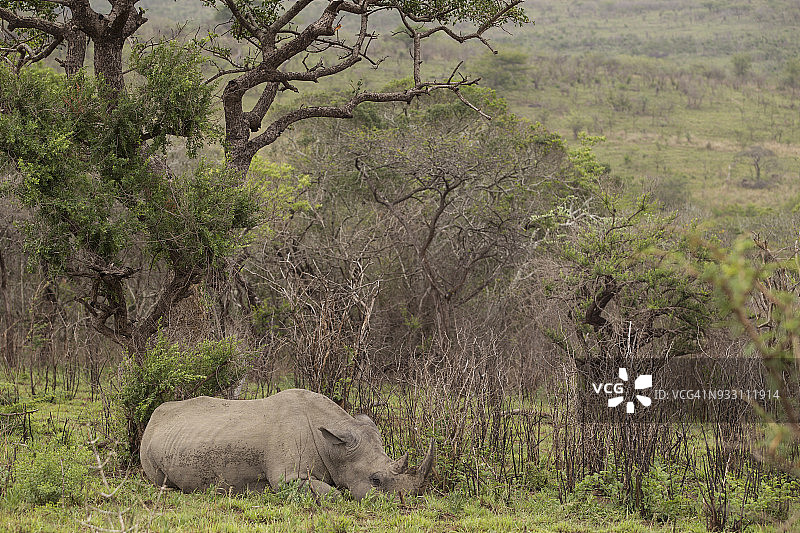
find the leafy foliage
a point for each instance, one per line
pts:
(170, 371)
(772, 499)
(505, 70)
(51, 471)
(588, 168)
(32, 37)
(174, 98)
(261, 13)
(197, 219)
(620, 281)
(663, 497)
(278, 189)
(82, 168)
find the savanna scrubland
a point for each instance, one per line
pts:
(620, 183)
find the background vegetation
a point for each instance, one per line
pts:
(441, 272)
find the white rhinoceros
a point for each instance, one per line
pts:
(241, 445)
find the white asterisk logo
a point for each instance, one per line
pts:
(645, 381)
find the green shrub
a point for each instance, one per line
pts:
(662, 495)
(170, 371)
(604, 484)
(770, 501)
(50, 472)
(598, 496)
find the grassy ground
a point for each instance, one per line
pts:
(682, 134)
(118, 500)
(142, 506)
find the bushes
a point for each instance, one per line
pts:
(617, 273)
(50, 472)
(169, 371)
(663, 495)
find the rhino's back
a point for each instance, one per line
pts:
(238, 444)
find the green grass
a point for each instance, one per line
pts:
(178, 512)
(129, 497)
(140, 504)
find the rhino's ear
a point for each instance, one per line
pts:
(336, 435)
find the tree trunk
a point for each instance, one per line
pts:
(239, 161)
(108, 64)
(76, 52)
(445, 323)
(178, 289)
(7, 320)
(238, 151)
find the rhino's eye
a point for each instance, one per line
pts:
(375, 480)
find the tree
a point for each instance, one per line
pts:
(791, 74)
(278, 40)
(35, 30)
(506, 70)
(762, 160)
(741, 65)
(455, 198)
(621, 288)
(87, 154)
(101, 212)
(336, 39)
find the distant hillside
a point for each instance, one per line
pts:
(166, 12)
(680, 29)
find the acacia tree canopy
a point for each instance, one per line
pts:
(328, 37)
(621, 276)
(338, 38)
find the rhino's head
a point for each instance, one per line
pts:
(358, 462)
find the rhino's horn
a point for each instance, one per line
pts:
(401, 465)
(424, 468)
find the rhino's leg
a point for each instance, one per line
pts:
(320, 489)
(160, 479)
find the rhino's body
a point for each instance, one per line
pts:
(242, 445)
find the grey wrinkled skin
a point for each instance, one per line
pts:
(247, 445)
